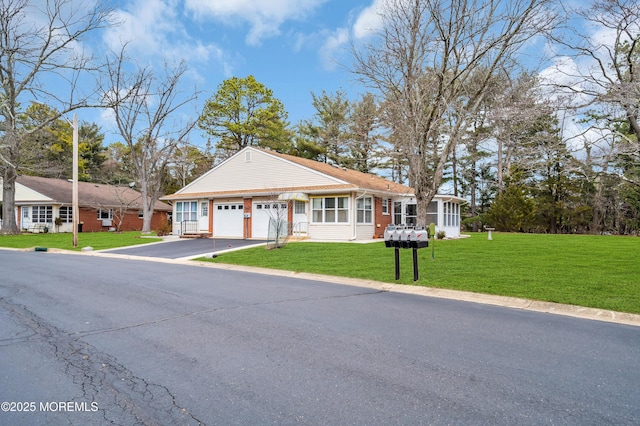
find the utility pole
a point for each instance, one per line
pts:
(74, 198)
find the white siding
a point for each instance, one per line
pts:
(23, 193)
(263, 171)
(365, 232)
(321, 231)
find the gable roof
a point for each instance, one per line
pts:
(360, 180)
(93, 195)
(269, 171)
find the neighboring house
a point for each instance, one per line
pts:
(39, 201)
(320, 201)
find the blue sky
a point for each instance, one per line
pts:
(294, 47)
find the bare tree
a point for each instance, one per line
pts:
(41, 60)
(279, 226)
(432, 61)
(513, 112)
(146, 108)
(607, 79)
(124, 199)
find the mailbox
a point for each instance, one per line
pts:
(419, 238)
(404, 237)
(388, 235)
(401, 236)
(397, 235)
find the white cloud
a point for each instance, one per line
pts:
(332, 44)
(153, 29)
(264, 17)
(369, 20)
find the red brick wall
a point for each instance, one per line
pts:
(382, 221)
(211, 216)
(130, 222)
(248, 224)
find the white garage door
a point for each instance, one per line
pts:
(228, 220)
(262, 212)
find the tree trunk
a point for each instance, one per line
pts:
(473, 202)
(500, 165)
(147, 210)
(9, 224)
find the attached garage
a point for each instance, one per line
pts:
(228, 220)
(262, 212)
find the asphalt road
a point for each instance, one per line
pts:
(185, 247)
(95, 340)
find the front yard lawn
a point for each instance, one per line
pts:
(593, 271)
(97, 240)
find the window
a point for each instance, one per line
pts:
(299, 207)
(66, 214)
(364, 210)
(204, 209)
(432, 213)
(105, 214)
(446, 210)
(41, 214)
(412, 214)
(186, 211)
(385, 206)
(330, 210)
(25, 212)
(451, 214)
(397, 213)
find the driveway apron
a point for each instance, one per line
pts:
(185, 248)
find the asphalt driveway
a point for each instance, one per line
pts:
(186, 247)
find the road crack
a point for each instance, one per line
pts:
(122, 397)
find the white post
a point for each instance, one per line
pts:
(489, 236)
(75, 211)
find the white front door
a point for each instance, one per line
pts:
(300, 217)
(26, 218)
(203, 221)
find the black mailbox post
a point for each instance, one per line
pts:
(400, 236)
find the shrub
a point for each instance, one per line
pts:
(164, 229)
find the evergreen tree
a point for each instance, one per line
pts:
(244, 112)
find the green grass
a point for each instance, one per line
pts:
(593, 271)
(97, 240)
